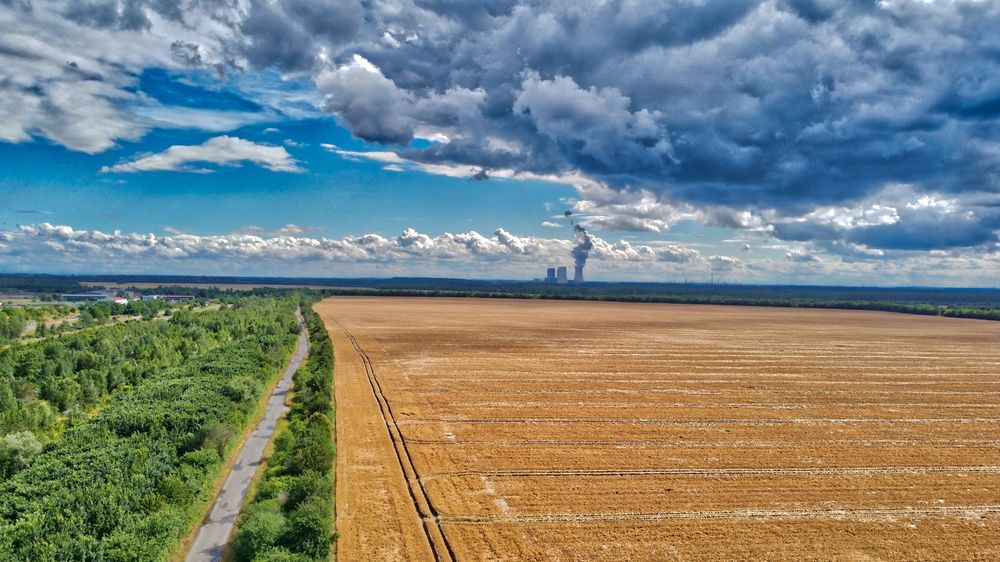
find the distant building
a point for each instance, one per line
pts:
(118, 300)
(85, 297)
(550, 275)
(176, 298)
(561, 278)
(150, 297)
(578, 274)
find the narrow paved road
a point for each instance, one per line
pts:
(214, 533)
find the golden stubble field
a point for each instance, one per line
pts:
(537, 430)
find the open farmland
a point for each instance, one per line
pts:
(533, 430)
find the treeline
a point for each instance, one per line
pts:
(291, 517)
(40, 283)
(789, 302)
(128, 482)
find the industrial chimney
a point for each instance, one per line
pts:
(578, 274)
(561, 275)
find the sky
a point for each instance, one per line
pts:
(787, 141)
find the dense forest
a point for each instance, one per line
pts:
(114, 435)
(291, 517)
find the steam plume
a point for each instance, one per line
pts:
(584, 243)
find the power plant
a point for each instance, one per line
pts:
(560, 275)
(581, 251)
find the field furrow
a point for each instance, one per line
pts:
(610, 431)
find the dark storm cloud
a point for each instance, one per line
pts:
(188, 54)
(732, 108)
(24, 5)
(289, 34)
(948, 232)
(128, 15)
(923, 223)
(776, 106)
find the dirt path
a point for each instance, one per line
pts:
(377, 513)
(214, 533)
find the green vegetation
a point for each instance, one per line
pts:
(112, 437)
(40, 380)
(291, 518)
(55, 319)
(12, 323)
(14, 319)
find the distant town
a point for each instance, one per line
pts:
(115, 297)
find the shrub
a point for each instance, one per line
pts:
(308, 485)
(217, 436)
(309, 527)
(263, 524)
(314, 451)
(241, 390)
(16, 451)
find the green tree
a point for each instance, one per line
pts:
(16, 452)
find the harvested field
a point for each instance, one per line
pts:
(535, 430)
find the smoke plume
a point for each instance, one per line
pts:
(584, 243)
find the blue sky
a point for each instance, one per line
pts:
(334, 197)
(779, 141)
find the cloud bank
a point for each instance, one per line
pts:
(502, 254)
(287, 244)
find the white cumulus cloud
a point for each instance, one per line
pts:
(222, 151)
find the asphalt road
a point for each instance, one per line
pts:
(214, 533)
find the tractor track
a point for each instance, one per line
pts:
(712, 421)
(714, 405)
(726, 472)
(431, 521)
(846, 513)
(691, 443)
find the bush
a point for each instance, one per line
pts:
(281, 555)
(241, 390)
(271, 488)
(217, 436)
(263, 524)
(16, 451)
(308, 485)
(314, 451)
(309, 527)
(203, 458)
